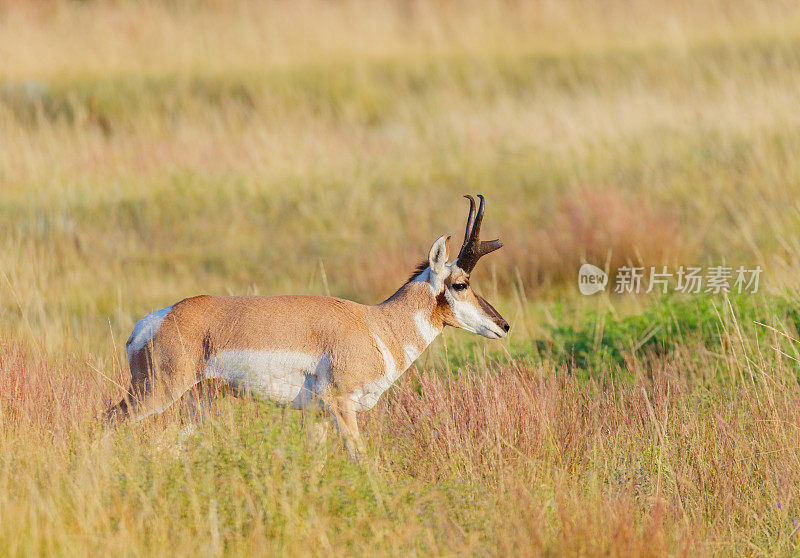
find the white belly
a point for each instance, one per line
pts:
(287, 377)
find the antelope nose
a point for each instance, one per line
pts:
(506, 327)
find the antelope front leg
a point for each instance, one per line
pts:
(343, 411)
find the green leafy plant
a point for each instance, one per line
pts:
(605, 339)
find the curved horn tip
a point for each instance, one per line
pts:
(491, 245)
(471, 206)
(470, 219)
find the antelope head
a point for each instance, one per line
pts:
(457, 303)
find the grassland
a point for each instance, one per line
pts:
(152, 151)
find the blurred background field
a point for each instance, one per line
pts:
(151, 151)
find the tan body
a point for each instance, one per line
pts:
(341, 333)
(304, 351)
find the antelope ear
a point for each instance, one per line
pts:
(440, 252)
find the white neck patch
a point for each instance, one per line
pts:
(366, 396)
(425, 328)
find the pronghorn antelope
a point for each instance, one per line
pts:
(308, 351)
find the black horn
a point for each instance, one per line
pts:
(473, 248)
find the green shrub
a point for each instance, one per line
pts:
(604, 339)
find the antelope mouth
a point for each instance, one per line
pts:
(494, 331)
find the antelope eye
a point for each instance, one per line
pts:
(459, 286)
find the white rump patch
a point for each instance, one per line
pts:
(145, 329)
(284, 376)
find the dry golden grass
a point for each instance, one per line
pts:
(508, 459)
(155, 150)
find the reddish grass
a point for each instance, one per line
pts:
(606, 227)
(546, 462)
(36, 392)
(662, 464)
